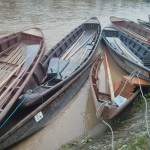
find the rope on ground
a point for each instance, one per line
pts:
(112, 139)
(146, 115)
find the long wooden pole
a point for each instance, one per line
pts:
(109, 77)
(81, 46)
(67, 53)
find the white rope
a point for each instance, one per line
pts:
(146, 116)
(112, 139)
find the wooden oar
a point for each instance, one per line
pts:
(81, 46)
(122, 47)
(109, 77)
(11, 86)
(67, 53)
(11, 74)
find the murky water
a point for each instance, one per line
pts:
(57, 18)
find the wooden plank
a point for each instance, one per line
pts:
(14, 52)
(10, 75)
(68, 51)
(80, 46)
(4, 74)
(9, 87)
(21, 59)
(16, 56)
(9, 49)
(4, 65)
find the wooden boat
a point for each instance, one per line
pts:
(112, 88)
(57, 93)
(129, 53)
(39, 117)
(131, 28)
(144, 23)
(19, 56)
(67, 59)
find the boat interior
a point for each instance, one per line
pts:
(62, 62)
(125, 87)
(18, 52)
(130, 27)
(127, 46)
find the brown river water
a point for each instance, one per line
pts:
(57, 18)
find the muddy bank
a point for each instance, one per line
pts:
(129, 128)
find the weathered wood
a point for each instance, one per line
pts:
(11, 67)
(5, 93)
(11, 74)
(77, 50)
(109, 77)
(68, 51)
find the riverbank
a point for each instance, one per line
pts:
(129, 128)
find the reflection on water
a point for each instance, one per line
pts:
(57, 18)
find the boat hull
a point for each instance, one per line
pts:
(49, 109)
(123, 61)
(57, 51)
(128, 66)
(103, 102)
(30, 44)
(131, 28)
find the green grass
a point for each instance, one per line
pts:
(77, 144)
(140, 142)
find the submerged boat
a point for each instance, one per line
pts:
(144, 23)
(129, 53)
(131, 28)
(112, 88)
(53, 88)
(19, 56)
(67, 59)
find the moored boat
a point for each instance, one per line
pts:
(131, 28)
(67, 59)
(19, 56)
(57, 78)
(144, 23)
(129, 53)
(113, 89)
(42, 115)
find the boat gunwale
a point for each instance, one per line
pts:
(42, 106)
(80, 67)
(98, 103)
(26, 76)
